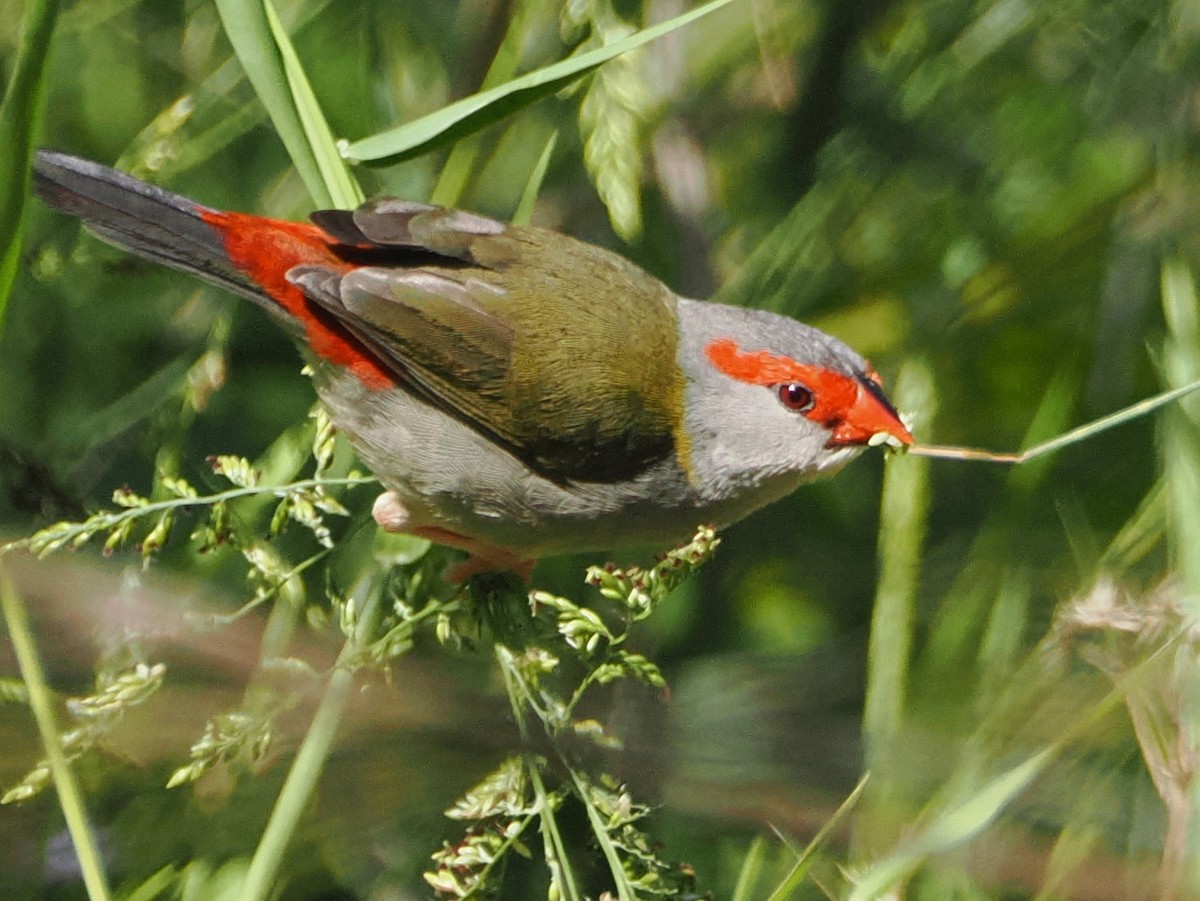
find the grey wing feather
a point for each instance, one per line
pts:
(424, 325)
(318, 283)
(415, 307)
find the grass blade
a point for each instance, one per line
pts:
(271, 66)
(905, 504)
(473, 113)
(314, 751)
(213, 124)
(751, 868)
(1075, 436)
(804, 860)
(125, 412)
(1179, 873)
(19, 117)
(524, 211)
(969, 807)
(625, 891)
(458, 166)
(954, 825)
(335, 174)
(905, 500)
(1181, 443)
(69, 796)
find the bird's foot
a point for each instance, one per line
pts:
(478, 563)
(391, 514)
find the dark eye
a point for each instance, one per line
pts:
(795, 397)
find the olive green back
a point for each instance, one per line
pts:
(563, 352)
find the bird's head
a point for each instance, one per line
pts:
(770, 399)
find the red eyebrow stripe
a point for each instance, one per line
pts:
(833, 393)
(759, 367)
(762, 367)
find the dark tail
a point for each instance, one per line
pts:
(140, 218)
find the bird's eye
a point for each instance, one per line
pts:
(795, 397)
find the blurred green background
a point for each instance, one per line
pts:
(1000, 195)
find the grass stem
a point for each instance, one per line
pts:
(314, 751)
(69, 797)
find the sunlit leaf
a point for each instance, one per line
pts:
(272, 67)
(20, 114)
(473, 113)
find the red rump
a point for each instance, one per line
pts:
(265, 249)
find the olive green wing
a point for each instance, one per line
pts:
(558, 350)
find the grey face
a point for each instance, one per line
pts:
(742, 436)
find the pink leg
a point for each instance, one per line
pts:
(478, 563)
(392, 516)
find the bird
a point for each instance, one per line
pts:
(517, 392)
